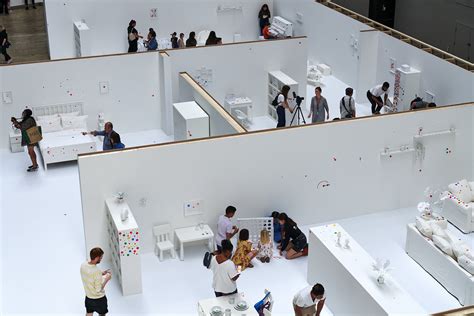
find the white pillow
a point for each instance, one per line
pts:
(424, 227)
(467, 264)
(462, 249)
(74, 122)
(46, 117)
(61, 115)
(438, 231)
(461, 190)
(443, 245)
(50, 125)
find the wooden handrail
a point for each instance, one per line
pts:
(399, 35)
(466, 310)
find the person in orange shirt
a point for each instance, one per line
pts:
(266, 31)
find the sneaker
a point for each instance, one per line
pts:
(10, 61)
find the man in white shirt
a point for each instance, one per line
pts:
(225, 273)
(347, 105)
(309, 300)
(225, 228)
(375, 97)
(94, 281)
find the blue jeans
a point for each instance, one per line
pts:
(281, 116)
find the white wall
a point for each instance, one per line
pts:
(109, 21)
(450, 83)
(242, 69)
(257, 174)
(133, 102)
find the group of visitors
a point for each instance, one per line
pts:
(180, 42)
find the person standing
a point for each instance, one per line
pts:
(225, 228)
(4, 7)
(94, 281)
(174, 40)
(309, 301)
(133, 37)
(181, 43)
(32, 2)
(282, 104)
(212, 39)
(291, 233)
(27, 122)
(375, 96)
(319, 109)
(264, 17)
(4, 44)
(225, 273)
(107, 133)
(347, 105)
(191, 41)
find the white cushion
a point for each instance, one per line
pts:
(61, 115)
(462, 249)
(424, 227)
(467, 264)
(50, 125)
(461, 190)
(443, 245)
(74, 122)
(46, 117)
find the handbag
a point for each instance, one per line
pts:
(33, 135)
(344, 105)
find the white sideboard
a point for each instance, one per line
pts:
(350, 282)
(190, 121)
(124, 242)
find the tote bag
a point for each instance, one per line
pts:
(33, 135)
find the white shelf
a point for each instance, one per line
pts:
(439, 133)
(276, 80)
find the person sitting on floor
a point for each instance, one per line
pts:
(294, 241)
(276, 228)
(418, 103)
(265, 247)
(244, 253)
(116, 142)
(266, 32)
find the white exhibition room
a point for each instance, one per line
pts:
(385, 200)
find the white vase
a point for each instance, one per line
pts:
(380, 279)
(124, 214)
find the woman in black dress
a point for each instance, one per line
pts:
(132, 37)
(27, 122)
(264, 17)
(291, 233)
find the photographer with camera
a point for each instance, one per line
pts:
(27, 122)
(281, 105)
(319, 107)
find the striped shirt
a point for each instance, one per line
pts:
(92, 280)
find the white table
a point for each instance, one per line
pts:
(205, 306)
(350, 282)
(192, 234)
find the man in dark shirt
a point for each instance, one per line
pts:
(108, 135)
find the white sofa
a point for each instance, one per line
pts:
(458, 208)
(442, 267)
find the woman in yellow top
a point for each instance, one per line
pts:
(244, 253)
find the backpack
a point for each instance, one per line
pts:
(206, 261)
(344, 105)
(275, 101)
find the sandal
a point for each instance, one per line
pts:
(32, 169)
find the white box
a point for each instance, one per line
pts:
(324, 69)
(190, 121)
(83, 39)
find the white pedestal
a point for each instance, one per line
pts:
(350, 283)
(190, 121)
(407, 87)
(15, 142)
(124, 242)
(83, 39)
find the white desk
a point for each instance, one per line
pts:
(349, 280)
(205, 306)
(194, 233)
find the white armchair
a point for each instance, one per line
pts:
(458, 208)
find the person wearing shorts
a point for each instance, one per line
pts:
(94, 281)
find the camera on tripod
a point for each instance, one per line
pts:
(298, 112)
(297, 98)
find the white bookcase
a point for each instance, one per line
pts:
(190, 121)
(124, 242)
(83, 39)
(276, 81)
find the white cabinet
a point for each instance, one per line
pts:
(15, 142)
(190, 121)
(406, 88)
(281, 27)
(124, 242)
(276, 81)
(83, 39)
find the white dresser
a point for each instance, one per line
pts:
(15, 142)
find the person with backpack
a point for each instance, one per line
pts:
(347, 105)
(281, 103)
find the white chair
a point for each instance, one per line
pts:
(162, 238)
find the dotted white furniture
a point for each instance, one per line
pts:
(190, 121)
(15, 142)
(163, 242)
(124, 242)
(350, 283)
(193, 234)
(276, 81)
(459, 213)
(205, 306)
(406, 87)
(255, 226)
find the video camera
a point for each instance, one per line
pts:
(297, 98)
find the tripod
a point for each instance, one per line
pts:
(298, 114)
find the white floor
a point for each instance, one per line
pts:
(43, 247)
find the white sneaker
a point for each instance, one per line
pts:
(10, 61)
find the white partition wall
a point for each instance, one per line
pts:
(281, 170)
(108, 20)
(240, 69)
(131, 100)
